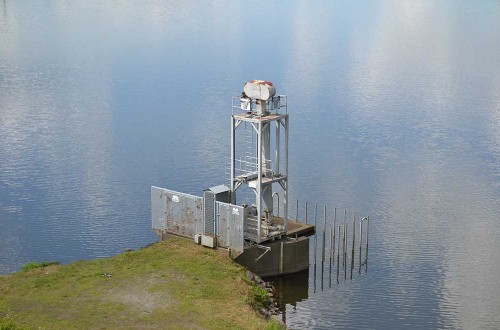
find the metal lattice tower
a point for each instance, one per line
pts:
(264, 163)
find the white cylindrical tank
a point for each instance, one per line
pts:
(259, 90)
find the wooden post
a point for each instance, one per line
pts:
(324, 234)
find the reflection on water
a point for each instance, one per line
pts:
(290, 289)
(394, 112)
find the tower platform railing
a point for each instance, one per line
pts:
(274, 106)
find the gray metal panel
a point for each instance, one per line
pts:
(230, 226)
(236, 232)
(158, 209)
(223, 212)
(177, 213)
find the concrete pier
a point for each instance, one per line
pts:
(284, 256)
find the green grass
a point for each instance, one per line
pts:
(34, 264)
(257, 298)
(169, 285)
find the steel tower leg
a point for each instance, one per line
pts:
(233, 155)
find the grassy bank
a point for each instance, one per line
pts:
(169, 285)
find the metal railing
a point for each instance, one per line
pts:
(276, 103)
(246, 168)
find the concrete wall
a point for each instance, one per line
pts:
(295, 257)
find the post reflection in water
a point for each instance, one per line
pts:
(293, 288)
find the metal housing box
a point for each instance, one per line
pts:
(210, 196)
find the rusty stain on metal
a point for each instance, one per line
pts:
(183, 215)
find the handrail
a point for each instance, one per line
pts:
(276, 193)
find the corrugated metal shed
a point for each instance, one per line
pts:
(211, 195)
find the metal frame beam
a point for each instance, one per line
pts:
(259, 181)
(277, 173)
(285, 193)
(233, 153)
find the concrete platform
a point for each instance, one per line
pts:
(285, 256)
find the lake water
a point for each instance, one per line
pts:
(394, 112)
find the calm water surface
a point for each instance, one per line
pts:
(395, 113)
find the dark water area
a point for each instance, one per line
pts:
(394, 113)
